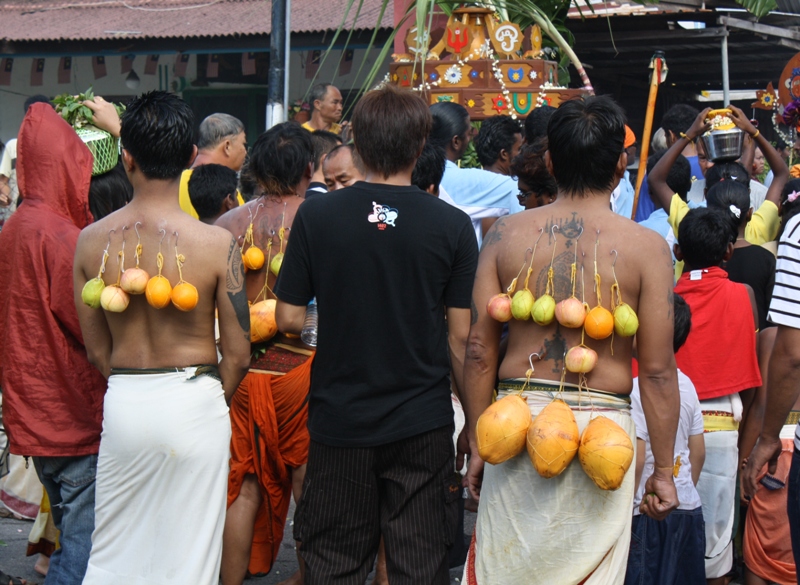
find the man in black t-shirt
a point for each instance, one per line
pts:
(392, 270)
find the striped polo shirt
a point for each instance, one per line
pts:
(785, 306)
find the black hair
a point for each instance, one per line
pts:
(247, 182)
(280, 157)
(497, 133)
(529, 167)
(727, 171)
(429, 169)
(536, 123)
(585, 139)
(733, 198)
(209, 185)
(323, 142)
(36, 99)
(679, 178)
(683, 322)
(109, 192)
(357, 162)
(157, 131)
(449, 120)
(703, 237)
(679, 119)
(789, 208)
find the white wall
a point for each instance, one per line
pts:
(13, 97)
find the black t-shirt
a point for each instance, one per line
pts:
(755, 266)
(382, 261)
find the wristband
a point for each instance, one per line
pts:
(683, 135)
(756, 135)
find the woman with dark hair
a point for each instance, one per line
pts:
(790, 203)
(480, 194)
(537, 186)
(109, 192)
(750, 264)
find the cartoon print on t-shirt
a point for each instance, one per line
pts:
(383, 215)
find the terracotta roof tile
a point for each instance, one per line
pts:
(40, 20)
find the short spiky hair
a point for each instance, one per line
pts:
(679, 119)
(280, 157)
(585, 140)
(390, 126)
(703, 237)
(497, 133)
(157, 131)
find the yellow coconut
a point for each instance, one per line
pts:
(544, 310)
(521, 305)
(606, 453)
(553, 439)
(502, 428)
(626, 322)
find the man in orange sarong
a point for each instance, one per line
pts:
(269, 412)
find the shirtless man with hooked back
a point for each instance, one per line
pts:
(566, 529)
(266, 466)
(163, 461)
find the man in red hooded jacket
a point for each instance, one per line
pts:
(52, 395)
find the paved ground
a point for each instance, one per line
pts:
(14, 540)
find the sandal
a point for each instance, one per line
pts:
(8, 579)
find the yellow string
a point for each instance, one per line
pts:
(103, 264)
(138, 253)
(120, 263)
(160, 262)
(180, 259)
(573, 276)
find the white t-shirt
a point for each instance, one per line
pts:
(785, 306)
(758, 193)
(690, 423)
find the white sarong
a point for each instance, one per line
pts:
(162, 480)
(563, 530)
(717, 483)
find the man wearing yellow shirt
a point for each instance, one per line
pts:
(326, 109)
(763, 226)
(221, 140)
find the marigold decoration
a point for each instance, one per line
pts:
(605, 453)
(158, 290)
(134, 280)
(93, 289)
(184, 295)
(544, 309)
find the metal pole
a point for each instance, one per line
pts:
(726, 83)
(277, 73)
(287, 56)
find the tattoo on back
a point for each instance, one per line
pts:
(235, 287)
(555, 349)
(494, 235)
(569, 230)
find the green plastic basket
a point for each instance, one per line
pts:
(103, 146)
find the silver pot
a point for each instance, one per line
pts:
(722, 145)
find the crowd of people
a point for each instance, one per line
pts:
(170, 440)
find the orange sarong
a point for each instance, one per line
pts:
(269, 415)
(767, 542)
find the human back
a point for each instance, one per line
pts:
(143, 336)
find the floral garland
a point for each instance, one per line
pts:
(777, 118)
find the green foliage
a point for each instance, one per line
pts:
(470, 158)
(758, 8)
(71, 108)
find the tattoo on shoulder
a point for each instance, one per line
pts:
(670, 303)
(495, 234)
(473, 312)
(234, 282)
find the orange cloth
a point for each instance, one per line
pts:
(269, 416)
(767, 542)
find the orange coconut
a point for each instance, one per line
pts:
(262, 321)
(606, 453)
(184, 296)
(253, 258)
(553, 439)
(502, 428)
(599, 323)
(158, 291)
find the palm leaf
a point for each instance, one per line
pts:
(758, 8)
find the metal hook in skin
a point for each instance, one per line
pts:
(176, 239)
(108, 245)
(555, 227)
(164, 232)
(616, 255)
(530, 359)
(123, 236)
(136, 229)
